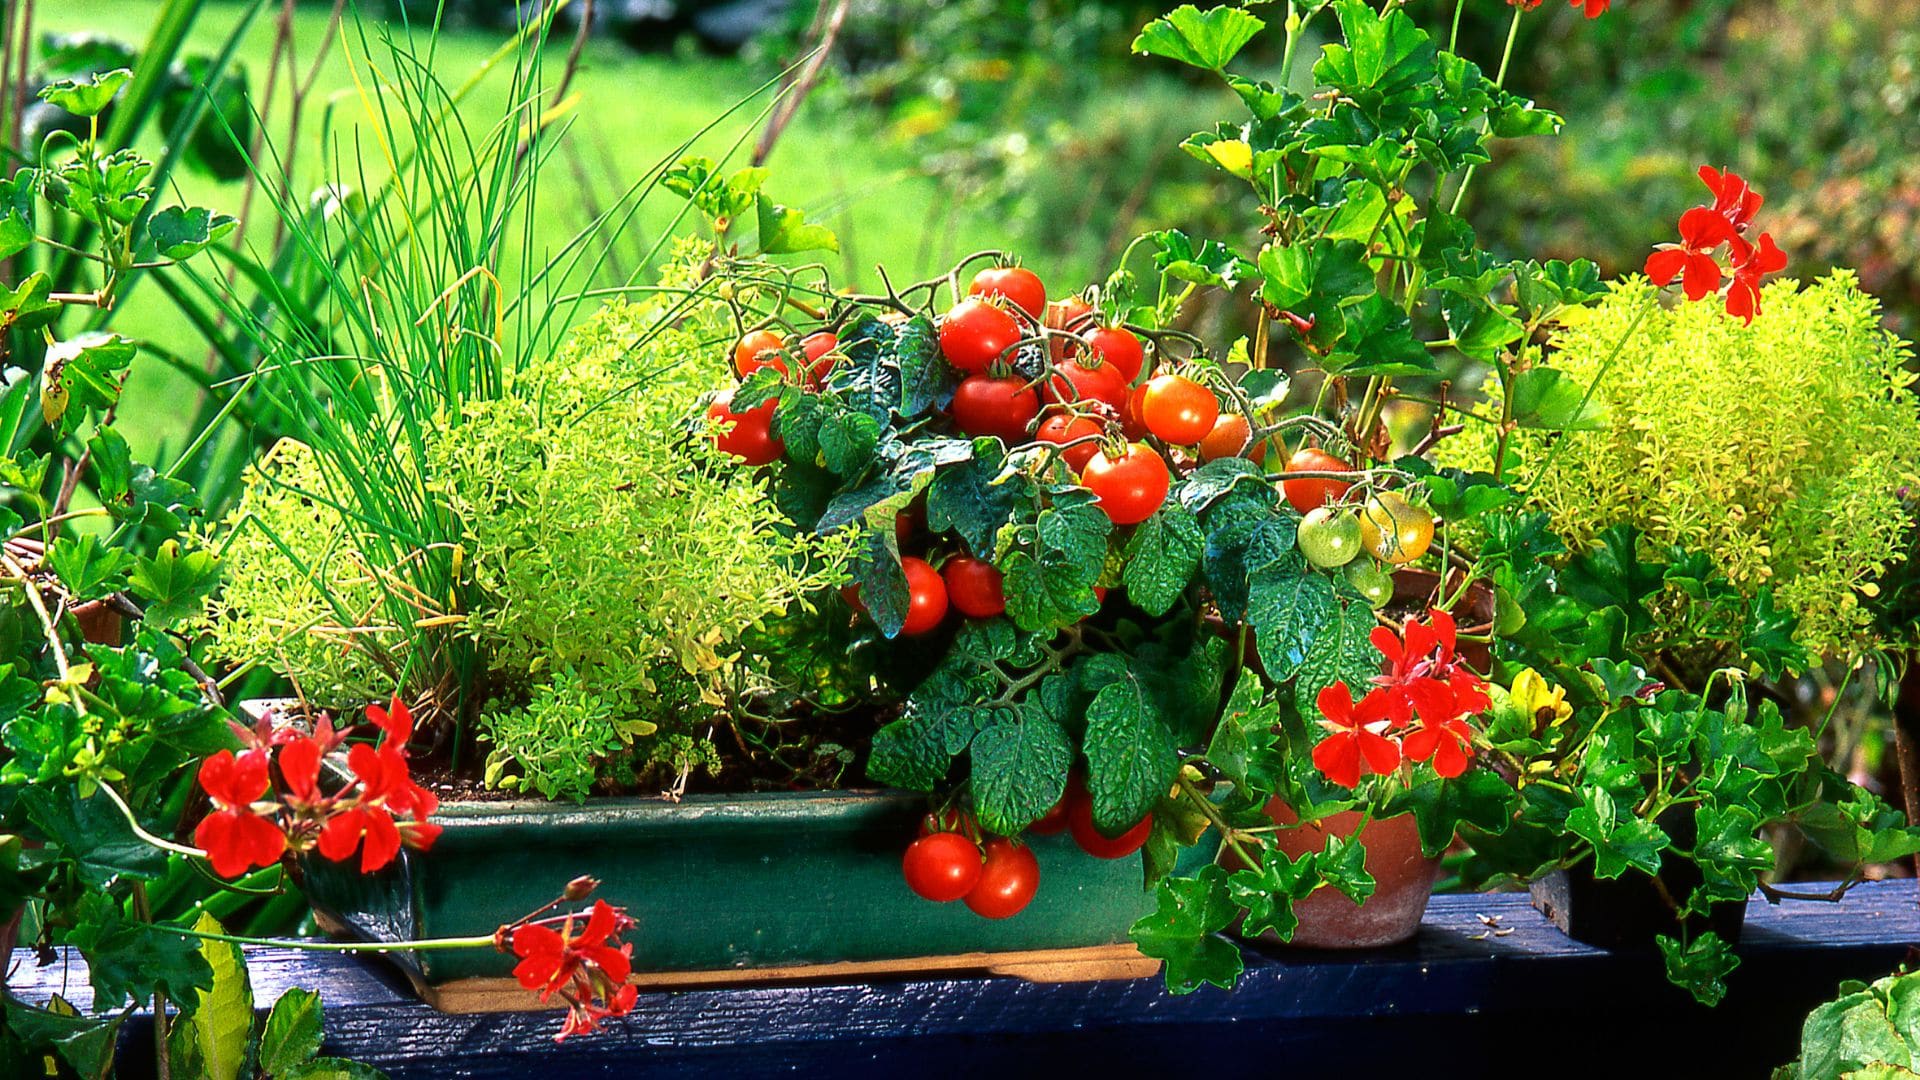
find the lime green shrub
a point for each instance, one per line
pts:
(1780, 449)
(618, 558)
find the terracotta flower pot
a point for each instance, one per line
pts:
(1403, 881)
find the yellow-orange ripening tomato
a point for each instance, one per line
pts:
(1394, 530)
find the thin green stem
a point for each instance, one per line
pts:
(1499, 81)
(424, 945)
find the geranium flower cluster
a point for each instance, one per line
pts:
(1704, 231)
(254, 821)
(1417, 709)
(1594, 8)
(587, 968)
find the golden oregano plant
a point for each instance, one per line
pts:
(1781, 447)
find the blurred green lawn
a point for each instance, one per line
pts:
(633, 110)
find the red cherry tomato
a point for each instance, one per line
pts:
(1087, 379)
(974, 587)
(1066, 314)
(1008, 879)
(974, 334)
(1118, 346)
(942, 867)
(819, 348)
(952, 819)
(1017, 284)
(1227, 439)
(1061, 427)
(1098, 844)
(926, 597)
(1132, 486)
(1131, 424)
(759, 349)
(1307, 494)
(1054, 820)
(985, 405)
(747, 436)
(1178, 410)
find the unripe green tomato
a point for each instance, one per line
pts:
(1372, 581)
(1330, 536)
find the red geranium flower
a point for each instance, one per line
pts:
(579, 967)
(237, 839)
(1702, 232)
(1595, 8)
(1751, 262)
(1355, 734)
(1423, 675)
(1733, 198)
(1447, 743)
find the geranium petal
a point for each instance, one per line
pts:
(1665, 265)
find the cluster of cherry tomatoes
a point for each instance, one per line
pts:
(997, 876)
(1335, 530)
(748, 435)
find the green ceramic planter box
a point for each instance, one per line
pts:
(716, 882)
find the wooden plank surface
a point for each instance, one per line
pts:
(1463, 999)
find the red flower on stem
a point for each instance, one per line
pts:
(586, 969)
(237, 838)
(1447, 743)
(1595, 8)
(1704, 230)
(1356, 734)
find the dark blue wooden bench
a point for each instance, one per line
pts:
(1489, 988)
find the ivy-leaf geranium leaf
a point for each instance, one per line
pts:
(1268, 892)
(1478, 798)
(29, 304)
(88, 96)
(88, 568)
(82, 376)
(173, 581)
(181, 232)
(1618, 843)
(1344, 866)
(1209, 262)
(1130, 756)
(1019, 769)
(1699, 966)
(1384, 55)
(1183, 933)
(1547, 400)
(1204, 39)
(17, 201)
(785, 231)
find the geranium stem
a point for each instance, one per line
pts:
(1499, 82)
(423, 945)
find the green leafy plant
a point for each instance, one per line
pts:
(1869, 1032)
(1781, 448)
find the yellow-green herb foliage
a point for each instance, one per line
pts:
(617, 555)
(1779, 448)
(297, 597)
(623, 554)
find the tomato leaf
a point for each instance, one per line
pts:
(1162, 555)
(1020, 766)
(1288, 606)
(1341, 652)
(1183, 932)
(975, 498)
(1213, 481)
(1130, 757)
(927, 381)
(1203, 39)
(1052, 565)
